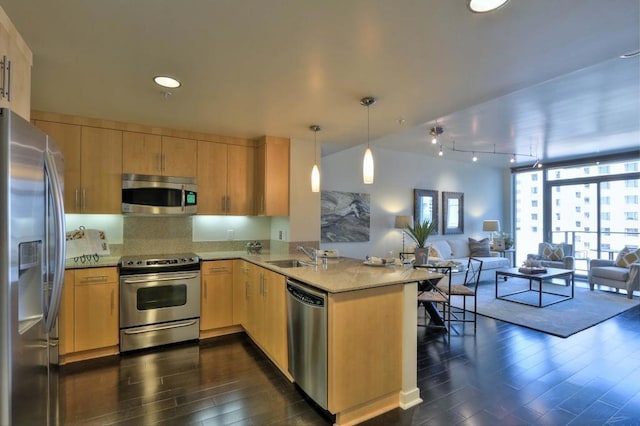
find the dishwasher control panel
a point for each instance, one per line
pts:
(305, 297)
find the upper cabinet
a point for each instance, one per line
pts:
(68, 138)
(101, 171)
(92, 166)
(15, 69)
(225, 178)
(272, 176)
(149, 154)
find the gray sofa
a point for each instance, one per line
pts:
(457, 250)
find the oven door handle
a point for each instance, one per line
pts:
(164, 327)
(171, 278)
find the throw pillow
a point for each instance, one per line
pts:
(627, 256)
(434, 253)
(479, 248)
(552, 252)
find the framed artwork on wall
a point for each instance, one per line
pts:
(452, 212)
(425, 206)
(344, 216)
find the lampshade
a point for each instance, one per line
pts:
(403, 221)
(315, 179)
(491, 226)
(315, 172)
(367, 167)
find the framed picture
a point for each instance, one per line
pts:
(452, 212)
(425, 206)
(344, 216)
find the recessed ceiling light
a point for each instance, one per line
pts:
(165, 81)
(482, 6)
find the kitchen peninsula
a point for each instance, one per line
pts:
(372, 329)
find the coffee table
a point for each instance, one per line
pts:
(539, 278)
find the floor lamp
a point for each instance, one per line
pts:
(401, 223)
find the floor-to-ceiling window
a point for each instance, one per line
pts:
(593, 206)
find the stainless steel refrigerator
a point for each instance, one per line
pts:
(32, 239)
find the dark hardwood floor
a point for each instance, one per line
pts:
(502, 375)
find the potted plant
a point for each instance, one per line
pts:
(419, 233)
(508, 239)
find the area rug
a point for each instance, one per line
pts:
(563, 319)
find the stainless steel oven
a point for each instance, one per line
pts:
(159, 300)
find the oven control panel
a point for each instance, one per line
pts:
(164, 262)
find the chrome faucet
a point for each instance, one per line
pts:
(311, 253)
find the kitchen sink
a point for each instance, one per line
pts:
(289, 263)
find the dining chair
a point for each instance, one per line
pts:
(466, 290)
(434, 300)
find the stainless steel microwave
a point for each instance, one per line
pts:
(159, 195)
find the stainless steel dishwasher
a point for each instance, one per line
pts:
(307, 339)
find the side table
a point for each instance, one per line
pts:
(509, 253)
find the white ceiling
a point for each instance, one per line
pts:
(535, 76)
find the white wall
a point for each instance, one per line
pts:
(396, 175)
(304, 205)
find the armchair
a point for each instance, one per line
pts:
(562, 256)
(605, 272)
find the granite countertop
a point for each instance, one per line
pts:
(338, 275)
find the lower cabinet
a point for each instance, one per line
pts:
(240, 291)
(216, 308)
(89, 314)
(267, 314)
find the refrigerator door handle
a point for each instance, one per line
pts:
(51, 172)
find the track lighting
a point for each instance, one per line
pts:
(367, 163)
(435, 131)
(475, 152)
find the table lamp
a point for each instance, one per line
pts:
(401, 223)
(491, 226)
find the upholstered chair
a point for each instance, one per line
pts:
(555, 256)
(622, 273)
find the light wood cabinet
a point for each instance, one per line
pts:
(267, 314)
(272, 176)
(92, 166)
(89, 314)
(141, 153)
(240, 291)
(68, 138)
(148, 154)
(66, 318)
(15, 69)
(255, 304)
(101, 171)
(225, 178)
(364, 333)
(216, 309)
(275, 317)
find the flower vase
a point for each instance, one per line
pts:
(422, 255)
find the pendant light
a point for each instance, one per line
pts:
(367, 163)
(315, 172)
